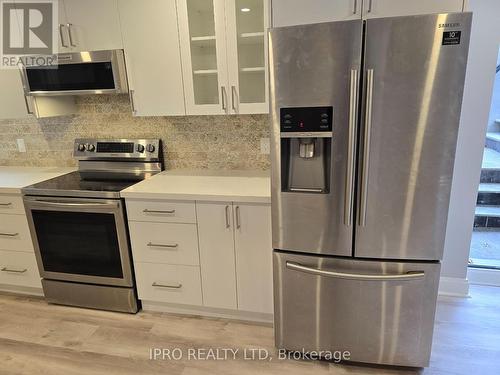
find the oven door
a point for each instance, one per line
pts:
(81, 240)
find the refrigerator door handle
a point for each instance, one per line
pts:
(412, 275)
(366, 147)
(351, 150)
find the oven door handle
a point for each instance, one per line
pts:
(45, 203)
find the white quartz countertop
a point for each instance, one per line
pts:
(13, 179)
(205, 185)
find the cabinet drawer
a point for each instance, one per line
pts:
(15, 233)
(162, 211)
(164, 243)
(167, 283)
(19, 269)
(11, 204)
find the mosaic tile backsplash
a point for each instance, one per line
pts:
(197, 142)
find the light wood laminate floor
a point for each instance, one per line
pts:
(37, 338)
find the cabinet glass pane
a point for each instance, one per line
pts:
(203, 51)
(251, 50)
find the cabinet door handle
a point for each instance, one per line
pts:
(370, 6)
(9, 234)
(228, 224)
(233, 96)
(355, 7)
(6, 204)
(146, 211)
(70, 33)
(170, 246)
(132, 102)
(171, 286)
(224, 98)
(238, 218)
(30, 112)
(5, 269)
(61, 35)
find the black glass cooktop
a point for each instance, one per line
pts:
(77, 184)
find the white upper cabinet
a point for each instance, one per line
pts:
(224, 55)
(300, 12)
(89, 25)
(246, 25)
(14, 103)
(203, 49)
(393, 8)
(152, 53)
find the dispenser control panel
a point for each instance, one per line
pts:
(306, 119)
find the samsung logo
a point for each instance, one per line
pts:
(443, 25)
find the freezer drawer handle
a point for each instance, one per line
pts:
(413, 275)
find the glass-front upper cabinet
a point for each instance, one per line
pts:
(224, 55)
(246, 26)
(203, 50)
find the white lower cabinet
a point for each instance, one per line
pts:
(18, 267)
(218, 259)
(253, 247)
(168, 283)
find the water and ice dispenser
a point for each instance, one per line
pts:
(306, 143)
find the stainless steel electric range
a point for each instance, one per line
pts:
(79, 227)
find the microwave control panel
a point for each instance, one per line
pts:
(306, 119)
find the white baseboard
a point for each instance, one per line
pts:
(454, 286)
(206, 311)
(482, 276)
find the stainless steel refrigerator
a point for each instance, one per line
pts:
(365, 119)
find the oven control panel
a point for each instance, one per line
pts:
(85, 148)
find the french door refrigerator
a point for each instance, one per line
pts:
(365, 118)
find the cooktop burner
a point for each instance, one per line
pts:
(76, 184)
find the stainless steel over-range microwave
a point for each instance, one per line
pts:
(78, 73)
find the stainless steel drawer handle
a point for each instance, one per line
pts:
(175, 286)
(170, 246)
(8, 204)
(5, 269)
(413, 275)
(9, 234)
(146, 211)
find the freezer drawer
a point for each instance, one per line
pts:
(381, 312)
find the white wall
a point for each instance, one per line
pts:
(485, 40)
